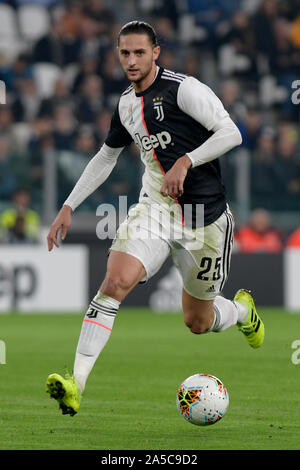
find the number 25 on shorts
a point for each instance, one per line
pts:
(206, 264)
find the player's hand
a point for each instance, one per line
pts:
(174, 178)
(60, 224)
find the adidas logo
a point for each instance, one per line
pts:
(211, 289)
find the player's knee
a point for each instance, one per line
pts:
(115, 285)
(196, 325)
(188, 321)
(198, 328)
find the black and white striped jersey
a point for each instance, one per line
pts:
(171, 118)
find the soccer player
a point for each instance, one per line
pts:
(181, 128)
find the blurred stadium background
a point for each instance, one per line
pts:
(59, 66)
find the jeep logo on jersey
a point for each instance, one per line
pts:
(153, 140)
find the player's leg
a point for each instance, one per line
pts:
(217, 315)
(202, 316)
(132, 259)
(124, 272)
(198, 314)
(204, 271)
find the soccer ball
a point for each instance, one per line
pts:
(202, 399)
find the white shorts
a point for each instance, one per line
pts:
(202, 256)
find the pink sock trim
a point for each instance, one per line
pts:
(97, 323)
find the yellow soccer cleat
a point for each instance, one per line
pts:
(253, 327)
(65, 391)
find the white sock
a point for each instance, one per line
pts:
(95, 332)
(242, 312)
(227, 313)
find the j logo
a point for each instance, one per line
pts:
(159, 109)
(92, 313)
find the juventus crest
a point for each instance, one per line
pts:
(159, 108)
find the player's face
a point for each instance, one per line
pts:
(137, 56)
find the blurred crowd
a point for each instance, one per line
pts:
(63, 81)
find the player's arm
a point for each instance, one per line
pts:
(94, 174)
(198, 101)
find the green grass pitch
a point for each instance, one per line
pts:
(130, 398)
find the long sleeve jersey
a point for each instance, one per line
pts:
(176, 115)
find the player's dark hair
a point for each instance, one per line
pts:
(139, 27)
